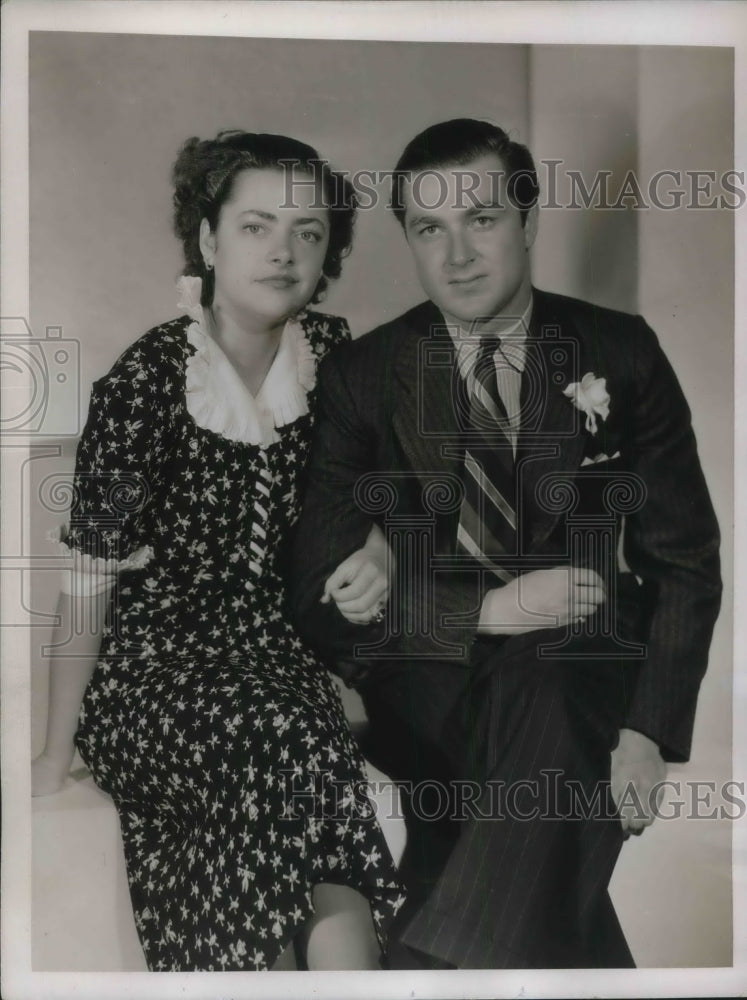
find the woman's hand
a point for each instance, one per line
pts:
(360, 584)
(48, 775)
(544, 598)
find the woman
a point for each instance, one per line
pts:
(220, 738)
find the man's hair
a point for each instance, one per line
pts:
(457, 143)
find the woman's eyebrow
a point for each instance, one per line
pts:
(270, 217)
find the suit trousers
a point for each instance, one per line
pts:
(512, 833)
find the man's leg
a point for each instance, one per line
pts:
(416, 736)
(526, 886)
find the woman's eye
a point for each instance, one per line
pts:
(252, 227)
(310, 236)
(428, 230)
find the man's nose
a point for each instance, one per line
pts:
(459, 250)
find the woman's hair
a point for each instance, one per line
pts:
(203, 177)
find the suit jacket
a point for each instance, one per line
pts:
(388, 448)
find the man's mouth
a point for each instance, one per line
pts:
(467, 282)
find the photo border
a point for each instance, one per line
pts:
(643, 23)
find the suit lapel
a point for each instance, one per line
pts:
(551, 440)
(426, 374)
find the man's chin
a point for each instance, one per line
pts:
(470, 321)
(468, 315)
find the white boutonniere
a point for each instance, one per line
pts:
(591, 397)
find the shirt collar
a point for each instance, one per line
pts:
(512, 341)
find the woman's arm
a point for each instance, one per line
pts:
(76, 640)
(121, 457)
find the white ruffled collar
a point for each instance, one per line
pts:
(218, 400)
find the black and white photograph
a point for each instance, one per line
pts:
(371, 391)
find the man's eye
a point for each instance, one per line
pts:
(310, 236)
(484, 221)
(252, 227)
(428, 230)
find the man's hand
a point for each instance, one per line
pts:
(637, 768)
(360, 584)
(544, 598)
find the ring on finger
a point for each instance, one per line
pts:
(379, 613)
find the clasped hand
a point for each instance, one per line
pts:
(544, 598)
(360, 584)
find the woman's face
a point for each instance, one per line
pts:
(268, 247)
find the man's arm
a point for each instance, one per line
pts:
(353, 424)
(439, 612)
(672, 544)
(331, 526)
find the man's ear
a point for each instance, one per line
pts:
(207, 243)
(531, 224)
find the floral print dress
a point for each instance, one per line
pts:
(219, 736)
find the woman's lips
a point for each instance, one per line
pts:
(278, 281)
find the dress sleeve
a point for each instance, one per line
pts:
(119, 461)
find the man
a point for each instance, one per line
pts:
(501, 438)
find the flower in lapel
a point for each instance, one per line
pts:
(591, 397)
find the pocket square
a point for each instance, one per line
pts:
(601, 457)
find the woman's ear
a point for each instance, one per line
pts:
(207, 243)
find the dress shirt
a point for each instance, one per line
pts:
(509, 357)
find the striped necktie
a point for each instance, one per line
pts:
(487, 518)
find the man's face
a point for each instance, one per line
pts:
(470, 248)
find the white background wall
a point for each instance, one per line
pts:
(650, 109)
(107, 116)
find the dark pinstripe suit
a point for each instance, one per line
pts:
(509, 892)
